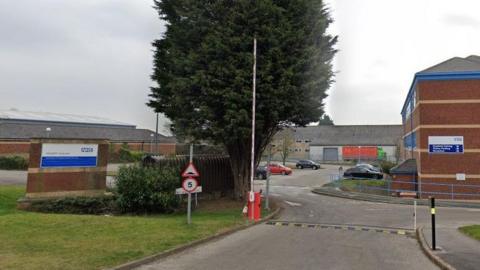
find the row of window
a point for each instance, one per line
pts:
(411, 101)
(410, 141)
(299, 150)
(301, 141)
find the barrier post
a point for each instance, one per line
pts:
(415, 215)
(432, 211)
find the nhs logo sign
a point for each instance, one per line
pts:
(58, 155)
(445, 144)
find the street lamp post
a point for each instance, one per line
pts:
(151, 143)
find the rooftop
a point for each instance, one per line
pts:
(456, 64)
(349, 134)
(409, 166)
(25, 116)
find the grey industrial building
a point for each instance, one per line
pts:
(332, 143)
(18, 127)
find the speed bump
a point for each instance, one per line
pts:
(342, 227)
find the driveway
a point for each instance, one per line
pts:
(13, 177)
(290, 247)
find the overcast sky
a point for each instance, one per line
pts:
(94, 57)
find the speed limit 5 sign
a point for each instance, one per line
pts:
(190, 185)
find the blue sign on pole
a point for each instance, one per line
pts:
(445, 144)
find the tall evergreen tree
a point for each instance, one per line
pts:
(203, 68)
(325, 120)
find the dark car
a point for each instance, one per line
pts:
(307, 164)
(363, 171)
(261, 172)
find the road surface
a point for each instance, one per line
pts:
(289, 247)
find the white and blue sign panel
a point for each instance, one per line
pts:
(445, 144)
(57, 155)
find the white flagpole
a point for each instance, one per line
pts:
(252, 162)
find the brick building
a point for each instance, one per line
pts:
(18, 127)
(441, 124)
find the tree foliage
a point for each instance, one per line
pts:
(325, 120)
(203, 68)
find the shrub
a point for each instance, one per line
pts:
(13, 163)
(147, 189)
(386, 166)
(76, 205)
(126, 155)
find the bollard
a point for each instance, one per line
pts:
(415, 215)
(432, 211)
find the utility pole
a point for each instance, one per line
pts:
(156, 136)
(252, 157)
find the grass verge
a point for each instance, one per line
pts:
(472, 231)
(58, 241)
(371, 186)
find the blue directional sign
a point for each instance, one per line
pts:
(68, 155)
(445, 144)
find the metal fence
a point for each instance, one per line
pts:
(422, 189)
(215, 170)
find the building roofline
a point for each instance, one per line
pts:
(35, 121)
(439, 76)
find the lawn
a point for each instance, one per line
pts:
(58, 241)
(472, 231)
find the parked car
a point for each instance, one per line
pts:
(279, 169)
(369, 166)
(261, 172)
(307, 164)
(363, 171)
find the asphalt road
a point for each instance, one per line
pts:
(288, 247)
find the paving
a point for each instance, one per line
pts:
(13, 177)
(322, 233)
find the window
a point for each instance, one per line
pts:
(412, 100)
(410, 141)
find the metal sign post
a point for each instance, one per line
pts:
(189, 208)
(189, 185)
(252, 157)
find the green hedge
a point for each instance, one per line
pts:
(126, 155)
(386, 166)
(147, 189)
(13, 163)
(77, 205)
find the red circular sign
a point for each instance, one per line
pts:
(190, 185)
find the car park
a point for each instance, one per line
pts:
(307, 164)
(363, 171)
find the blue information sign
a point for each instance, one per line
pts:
(445, 144)
(68, 155)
